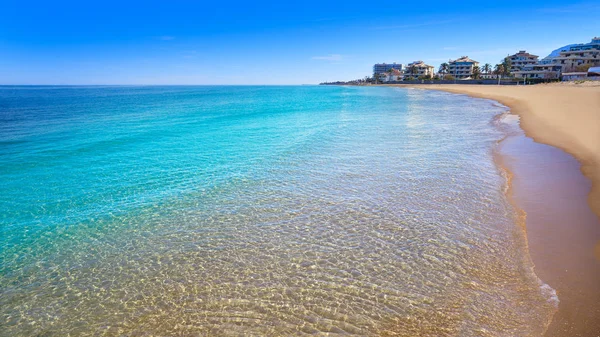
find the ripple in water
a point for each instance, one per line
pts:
(258, 211)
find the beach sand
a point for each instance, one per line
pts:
(547, 185)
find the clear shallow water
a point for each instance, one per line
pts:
(258, 210)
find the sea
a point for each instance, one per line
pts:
(259, 211)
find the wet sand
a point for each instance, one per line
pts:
(561, 230)
(547, 185)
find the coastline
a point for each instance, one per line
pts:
(564, 117)
(560, 208)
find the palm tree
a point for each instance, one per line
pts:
(413, 69)
(487, 68)
(476, 72)
(499, 69)
(444, 68)
(377, 77)
(507, 64)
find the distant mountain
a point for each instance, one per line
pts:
(556, 52)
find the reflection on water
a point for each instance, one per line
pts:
(262, 210)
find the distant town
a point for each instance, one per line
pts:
(569, 63)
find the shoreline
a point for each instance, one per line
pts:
(537, 127)
(559, 127)
(520, 216)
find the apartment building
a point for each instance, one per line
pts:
(539, 71)
(520, 60)
(578, 55)
(418, 69)
(462, 67)
(385, 67)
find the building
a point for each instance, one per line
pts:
(593, 74)
(489, 76)
(385, 67)
(574, 76)
(418, 69)
(521, 59)
(539, 71)
(554, 54)
(392, 75)
(462, 68)
(587, 54)
(551, 59)
(565, 61)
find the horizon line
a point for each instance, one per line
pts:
(143, 85)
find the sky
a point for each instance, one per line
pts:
(269, 42)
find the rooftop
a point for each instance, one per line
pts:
(418, 64)
(523, 53)
(464, 59)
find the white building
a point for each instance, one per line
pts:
(587, 54)
(574, 76)
(593, 74)
(392, 75)
(563, 61)
(462, 68)
(520, 60)
(418, 69)
(385, 67)
(539, 71)
(489, 76)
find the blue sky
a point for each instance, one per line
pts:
(279, 42)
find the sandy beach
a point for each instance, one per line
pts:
(563, 231)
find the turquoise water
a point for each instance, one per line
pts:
(260, 211)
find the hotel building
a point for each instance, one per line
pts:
(539, 71)
(578, 55)
(563, 61)
(385, 67)
(462, 68)
(520, 60)
(418, 69)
